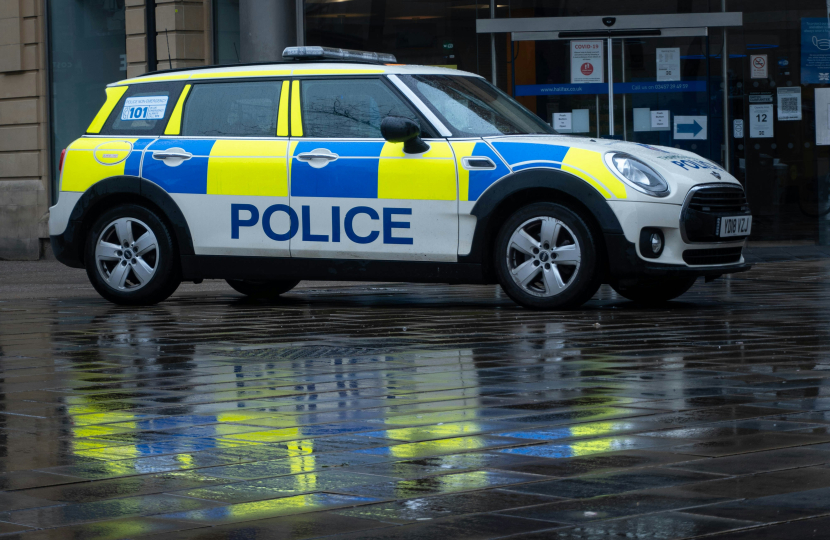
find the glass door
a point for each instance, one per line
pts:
(662, 93)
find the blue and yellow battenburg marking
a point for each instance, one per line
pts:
(586, 164)
(221, 167)
(471, 184)
(92, 159)
(375, 170)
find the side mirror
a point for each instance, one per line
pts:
(397, 129)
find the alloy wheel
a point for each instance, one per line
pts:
(543, 256)
(127, 254)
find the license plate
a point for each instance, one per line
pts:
(735, 226)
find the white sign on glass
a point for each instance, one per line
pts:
(760, 121)
(563, 122)
(660, 120)
(587, 60)
(690, 127)
(668, 64)
(789, 103)
(738, 128)
(759, 66)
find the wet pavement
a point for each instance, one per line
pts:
(415, 411)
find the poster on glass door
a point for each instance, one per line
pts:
(668, 64)
(587, 60)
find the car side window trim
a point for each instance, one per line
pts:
(297, 119)
(174, 125)
(420, 105)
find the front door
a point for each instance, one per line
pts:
(356, 196)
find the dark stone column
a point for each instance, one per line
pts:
(266, 27)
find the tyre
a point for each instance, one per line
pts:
(130, 257)
(654, 291)
(546, 257)
(262, 289)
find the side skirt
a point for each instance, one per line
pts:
(274, 268)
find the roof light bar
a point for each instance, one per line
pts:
(320, 53)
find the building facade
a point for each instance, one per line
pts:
(743, 83)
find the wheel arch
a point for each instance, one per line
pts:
(516, 190)
(129, 190)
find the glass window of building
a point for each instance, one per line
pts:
(87, 50)
(226, 31)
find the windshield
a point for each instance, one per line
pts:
(472, 107)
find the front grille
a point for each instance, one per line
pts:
(720, 200)
(699, 221)
(712, 256)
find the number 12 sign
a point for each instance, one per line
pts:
(760, 121)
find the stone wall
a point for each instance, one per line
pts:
(24, 156)
(24, 133)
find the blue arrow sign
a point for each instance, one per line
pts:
(694, 128)
(690, 127)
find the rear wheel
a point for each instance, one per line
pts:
(653, 291)
(547, 258)
(130, 257)
(262, 289)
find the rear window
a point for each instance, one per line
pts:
(247, 109)
(144, 109)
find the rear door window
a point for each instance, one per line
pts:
(238, 109)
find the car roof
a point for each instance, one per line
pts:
(289, 69)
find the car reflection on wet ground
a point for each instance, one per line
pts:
(416, 411)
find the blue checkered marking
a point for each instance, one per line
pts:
(190, 176)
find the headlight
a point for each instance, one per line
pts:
(637, 174)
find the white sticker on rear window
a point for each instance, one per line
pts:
(144, 108)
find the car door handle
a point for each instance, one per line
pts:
(172, 154)
(477, 163)
(308, 156)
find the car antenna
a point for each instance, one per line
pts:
(167, 36)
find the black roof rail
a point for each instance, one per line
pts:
(282, 62)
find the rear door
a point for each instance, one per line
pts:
(223, 160)
(356, 195)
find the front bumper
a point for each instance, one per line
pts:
(679, 256)
(626, 263)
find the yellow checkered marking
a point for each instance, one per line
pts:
(174, 126)
(80, 168)
(429, 176)
(113, 96)
(248, 167)
(589, 166)
(296, 110)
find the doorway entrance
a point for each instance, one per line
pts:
(645, 79)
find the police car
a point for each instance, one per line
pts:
(343, 165)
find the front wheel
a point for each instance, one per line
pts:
(130, 257)
(653, 291)
(262, 289)
(546, 257)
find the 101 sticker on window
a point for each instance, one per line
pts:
(144, 108)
